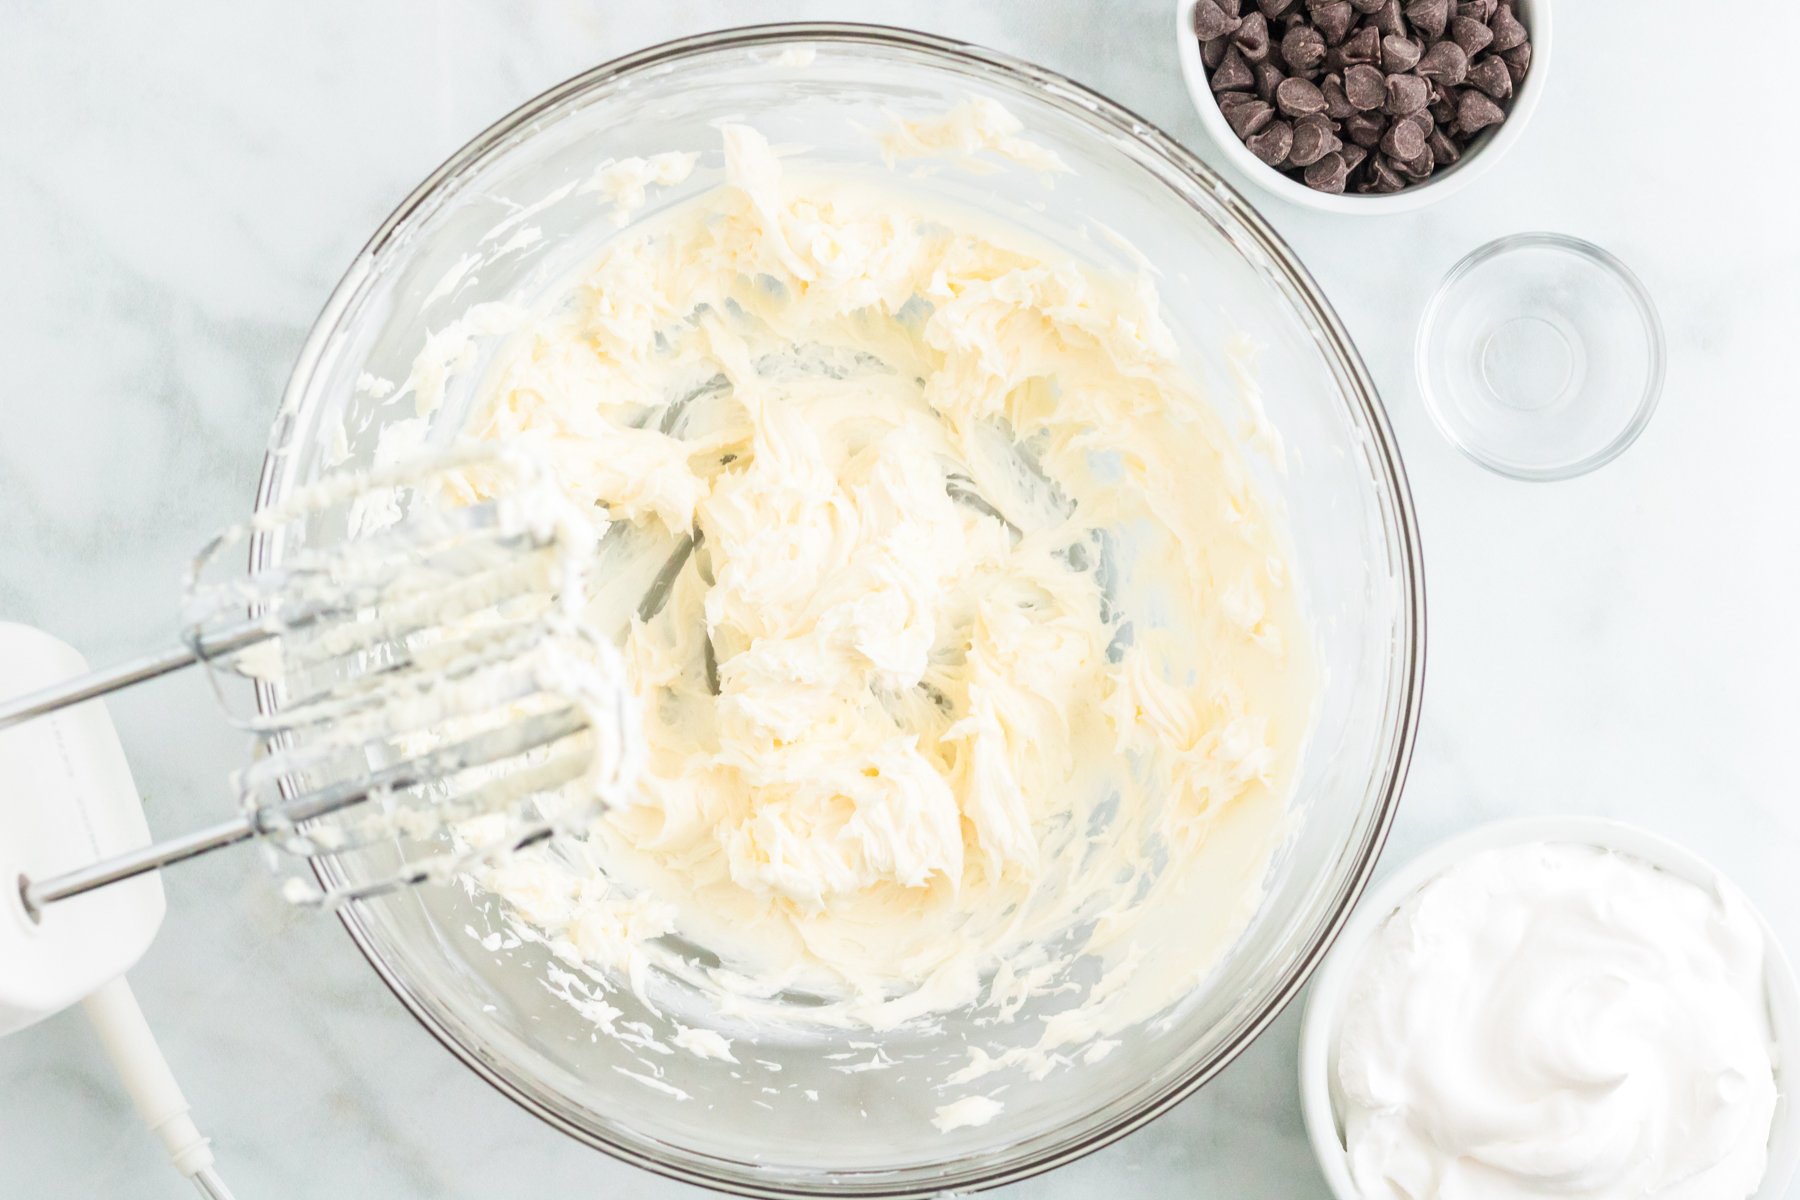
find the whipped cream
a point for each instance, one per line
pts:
(1559, 1020)
(971, 664)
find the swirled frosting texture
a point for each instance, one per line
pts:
(1558, 1020)
(973, 655)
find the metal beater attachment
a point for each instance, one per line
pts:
(427, 693)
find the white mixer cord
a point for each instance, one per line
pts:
(114, 1013)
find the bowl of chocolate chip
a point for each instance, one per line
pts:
(1363, 105)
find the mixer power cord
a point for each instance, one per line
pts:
(114, 1013)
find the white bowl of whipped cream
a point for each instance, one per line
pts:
(1554, 1006)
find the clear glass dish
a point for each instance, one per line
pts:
(1540, 356)
(1222, 271)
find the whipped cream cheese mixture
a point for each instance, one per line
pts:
(1559, 1020)
(971, 665)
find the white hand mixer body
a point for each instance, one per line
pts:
(416, 675)
(66, 799)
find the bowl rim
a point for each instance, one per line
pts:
(1331, 982)
(991, 1169)
(1409, 199)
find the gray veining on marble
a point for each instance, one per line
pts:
(180, 185)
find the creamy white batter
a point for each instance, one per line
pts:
(976, 656)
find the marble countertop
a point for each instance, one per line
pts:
(181, 185)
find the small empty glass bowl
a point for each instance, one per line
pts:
(1540, 356)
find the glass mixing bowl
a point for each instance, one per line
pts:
(757, 1127)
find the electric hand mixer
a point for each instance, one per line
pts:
(423, 674)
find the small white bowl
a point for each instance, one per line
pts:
(1478, 156)
(1333, 978)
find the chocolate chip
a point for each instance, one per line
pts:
(1252, 37)
(1274, 8)
(1314, 138)
(1337, 101)
(1490, 75)
(1508, 33)
(1363, 46)
(1430, 16)
(1302, 49)
(1367, 7)
(1442, 108)
(1328, 174)
(1233, 73)
(1365, 129)
(1399, 53)
(1445, 62)
(1211, 21)
(1405, 94)
(1299, 98)
(1402, 141)
(1353, 156)
(1475, 112)
(1268, 78)
(1233, 8)
(1443, 150)
(1518, 61)
(1273, 143)
(1389, 19)
(1212, 52)
(1418, 167)
(1471, 35)
(1476, 10)
(1364, 86)
(1334, 20)
(1382, 176)
(1252, 116)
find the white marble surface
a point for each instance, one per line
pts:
(180, 186)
